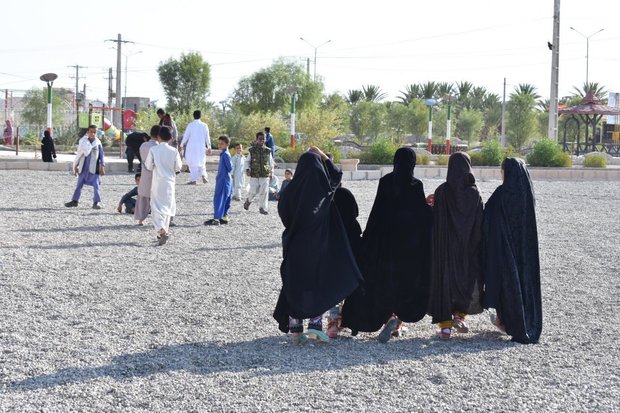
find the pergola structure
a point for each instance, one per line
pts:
(589, 112)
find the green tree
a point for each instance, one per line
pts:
(320, 126)
(368, 119)
(185, 82)
(373, 93)
(255, 122)
(469, 124)
(271, 88)
(410, 93)
(521, 124)
(35, 106)
(354, 96)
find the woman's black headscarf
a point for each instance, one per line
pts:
(318, 268)
(395, 252)
(510, 255)
(457, 236)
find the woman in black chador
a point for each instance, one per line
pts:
(510, 255)
(395, 255)
(456, 270)
(48, 152)
(318, 268)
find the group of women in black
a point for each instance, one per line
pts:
(446, 255)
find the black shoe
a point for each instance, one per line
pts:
(97, 205)
(213, 222)
(246, 205)
(224, 221)
(262, 211)
(71, 204)
(172, 224)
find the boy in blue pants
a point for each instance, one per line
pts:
(223, 185)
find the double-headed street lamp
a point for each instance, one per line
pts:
(315, 49)
(49, 79)
(587, 51)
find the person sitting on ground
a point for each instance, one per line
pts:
(129, 199)
(48, 151)
(288, 177)
(274, 188)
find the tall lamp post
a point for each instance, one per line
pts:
(430, 103)
(587, 51)
(126, 60)
(315, 49)
(49, 79)
(449, 99)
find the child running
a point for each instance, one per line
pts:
(318, 268)
(456, 273)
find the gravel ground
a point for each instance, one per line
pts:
(94, 317)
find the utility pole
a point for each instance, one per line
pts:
(119, 41)
(6, 104)
(503, 136)
(552, 131)
(77, 91)
(110, 78)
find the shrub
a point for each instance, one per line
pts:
(548, 153)
(422, 159)
(476, 158)
(595, 160)
(442, 160)
(381, 152)
(290, 155)
(492, 153)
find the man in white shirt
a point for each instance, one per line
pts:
(197, 144)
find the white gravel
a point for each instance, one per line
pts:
(94, 317)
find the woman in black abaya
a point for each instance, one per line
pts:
(395, 254)
(318, 268)
(456, 274)
(510, 255)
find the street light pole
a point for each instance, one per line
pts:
(315, 51)
(126, 63)
(49, 78)
(587, 52)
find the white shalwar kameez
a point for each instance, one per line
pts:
(196, 141)
(239, 185)
(165, 162)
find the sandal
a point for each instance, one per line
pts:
(298, 338)
(386, 333)
(333, 327)
(317, 335)
(497, 322)
(458, 324)
(444, 333)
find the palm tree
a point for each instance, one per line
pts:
(597, 90)
(526, 89)
(445, 89)
(354, 96)
(428, 90)
(372, 93)
(410, 93)
(463, 89)
(477, 97)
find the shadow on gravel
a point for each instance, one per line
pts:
(96, 228)
(77, 246)
(263, 357)
(241, 247)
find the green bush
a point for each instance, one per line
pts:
(381, 152)
(595, 160)
(290, 155)
(476, 158)
(442, 160)
(548, 153)
(492, 153)
(422, 159)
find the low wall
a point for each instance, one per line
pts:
(421, 172)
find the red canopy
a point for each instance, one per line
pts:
(590, 105)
